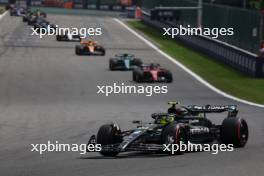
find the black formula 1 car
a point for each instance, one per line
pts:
(42, 23)
(68, 36)
(124, 62)
(89, 48)
(190, 126)
(151, 73)
(32, 17)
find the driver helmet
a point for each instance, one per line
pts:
(166, 119)
(172, 109)
(153, 66)
(182, 111)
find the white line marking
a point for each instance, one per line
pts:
(2, 15)
(197, 77)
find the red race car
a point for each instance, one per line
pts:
(151, 73)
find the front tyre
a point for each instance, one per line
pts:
(77, 50)
(106, 135)
(102, 52)
(174, 134)
(234, 131)
(58, 38)
(112, 64)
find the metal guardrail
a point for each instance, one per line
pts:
(233, 56)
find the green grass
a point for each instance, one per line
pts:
(221, 76)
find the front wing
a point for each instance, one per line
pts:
(119, 147)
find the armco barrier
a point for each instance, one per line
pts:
(237, 58)
(248, 33)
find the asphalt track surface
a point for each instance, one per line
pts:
(49, 93)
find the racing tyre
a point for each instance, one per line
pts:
(102, 52)
(77, 50)
(169, 77)
(234, 131)
(108, 134)
(58, 38)
(111, 64)
(138, 76)
(174, 134)
(134, 76)
(137, 62)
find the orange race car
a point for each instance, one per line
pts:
(89, 48)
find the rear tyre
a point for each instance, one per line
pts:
(134, 76)
(106, 135)
(138, 78)
(137, 62)
(174, 134)
(169, 77)
(102, 52)
(234, 131)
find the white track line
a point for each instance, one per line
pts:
(186, 69)
(2, 15)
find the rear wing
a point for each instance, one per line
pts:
(231, 109)
(124, 55)
(150, 64)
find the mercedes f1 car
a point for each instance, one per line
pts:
(89, 48)
(32, 17)
(68, 36)
(43, 23)
(151, 73)
(124, 62)
(189, 126)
